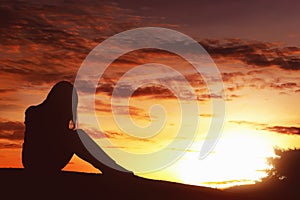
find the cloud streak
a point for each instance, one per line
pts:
(5, 145)
(11, 130)
(254, 53)
(288, 130)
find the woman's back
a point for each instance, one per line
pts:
(48, 139)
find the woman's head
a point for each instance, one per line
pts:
(63, 99)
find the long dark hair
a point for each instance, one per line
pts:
(61, 102)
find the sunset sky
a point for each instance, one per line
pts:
(255, 45)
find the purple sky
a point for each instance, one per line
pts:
(275, 21)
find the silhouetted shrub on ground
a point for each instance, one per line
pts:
(286, 165)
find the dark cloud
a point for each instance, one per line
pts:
(231, 76)
(7, 90)
(231, 97)
(155, 91)
(106, 87)
(5, 145)
(232, 47)
(273, 83)
(11, 130)
(289, 130)
(255, 72)
(10, 106)
(123, 90)
(44, 42)
(238, 80)
(133, 111)
(204, 97)
(131, 60)
(253, 53)
(105, 106)
(288, 85)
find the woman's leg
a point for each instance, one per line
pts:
(96, 156)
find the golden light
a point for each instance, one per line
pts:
(239, 158)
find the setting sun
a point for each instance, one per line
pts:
(243, 158)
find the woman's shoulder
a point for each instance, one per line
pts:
(32, 113)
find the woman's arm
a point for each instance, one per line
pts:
(89, 151)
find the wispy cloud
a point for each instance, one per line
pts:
(11, 134)
(254, 53)
(288, 85)
(251, 123)
(289, 130)
(11, 130)
(9, 145)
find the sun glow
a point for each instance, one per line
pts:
(238, 159)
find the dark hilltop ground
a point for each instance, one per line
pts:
(17, 184)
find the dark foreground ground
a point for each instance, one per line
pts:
(16, 184)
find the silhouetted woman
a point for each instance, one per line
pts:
(50, 136)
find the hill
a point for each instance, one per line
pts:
(17, 184)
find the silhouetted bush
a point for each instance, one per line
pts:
(286, 165)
